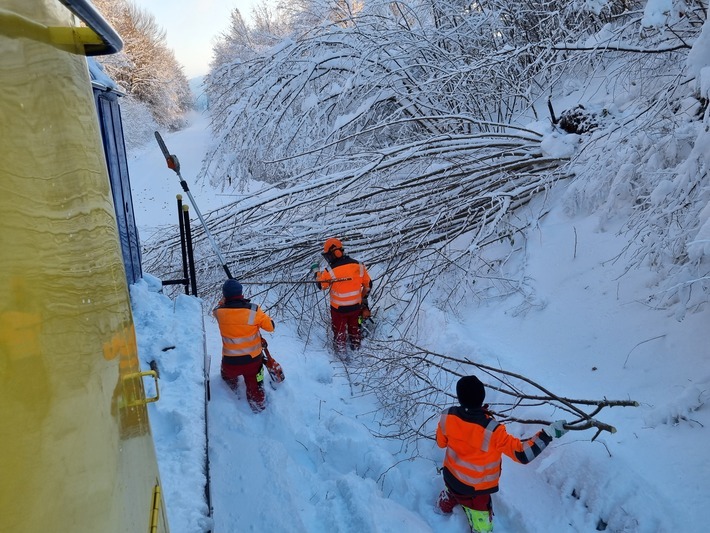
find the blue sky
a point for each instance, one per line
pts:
(193, 25)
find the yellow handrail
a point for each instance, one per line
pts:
(155, 513)
(96, 38)
(145, 400)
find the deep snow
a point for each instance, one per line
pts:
(310, 464)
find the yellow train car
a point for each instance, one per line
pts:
(76, 450)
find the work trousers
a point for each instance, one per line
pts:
(253, 374)
(448, 500)
(346, 328)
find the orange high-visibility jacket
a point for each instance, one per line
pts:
(474, 444)
(239, 324)
(346, 295)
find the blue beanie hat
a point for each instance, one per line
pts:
(470, 392)
(232, 289)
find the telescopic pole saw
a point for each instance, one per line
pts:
(174, 164)
(294, 281)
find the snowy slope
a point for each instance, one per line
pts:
(310, 463)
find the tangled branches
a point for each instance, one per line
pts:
(417, 198)
(414, 384)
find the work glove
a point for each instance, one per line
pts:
(556, 429)
(314, 267)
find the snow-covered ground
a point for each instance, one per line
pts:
(310, 463)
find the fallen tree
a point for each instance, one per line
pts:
(413, 384)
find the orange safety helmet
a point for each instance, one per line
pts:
(334, 247)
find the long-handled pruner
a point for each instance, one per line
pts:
(174, 164)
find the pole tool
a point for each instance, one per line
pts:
(174, 165)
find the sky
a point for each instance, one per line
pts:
(310, 462)
(192, 25)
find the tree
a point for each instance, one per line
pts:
(373, 123)
(419, 134)
(242, 42)
(409, 106)
(146, 68)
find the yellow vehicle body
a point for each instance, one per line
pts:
(76, 450)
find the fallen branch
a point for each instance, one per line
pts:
(402, 367)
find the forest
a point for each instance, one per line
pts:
(428, 135)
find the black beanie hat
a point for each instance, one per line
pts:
(232, 289)
(470, 392)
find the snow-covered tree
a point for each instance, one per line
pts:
(648, 71)
(146, 68)
(242, 41)
(427, 136)
(412, 114)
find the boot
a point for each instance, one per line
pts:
(480, 521)
(445, 503)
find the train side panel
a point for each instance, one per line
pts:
(76, 450)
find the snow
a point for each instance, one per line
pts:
(311, 463)
(657, 13)
(699, 61)
(561, 146)
(99, 76)
(155, 187)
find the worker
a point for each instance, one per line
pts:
(474, 444)
(349, 284)
(240, 324)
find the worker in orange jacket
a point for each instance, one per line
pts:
(347, 297)
(475, 444)
(240, 322)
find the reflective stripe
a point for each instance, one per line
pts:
(490, 428)
(455, 459)
(528, 448)
(442, 421)
(241, 340)
(346, 292)
(252, 315)
(240, 351)
(468, 479)
(242, 345)
(480, 476)
(239, 328)
(345, 298)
